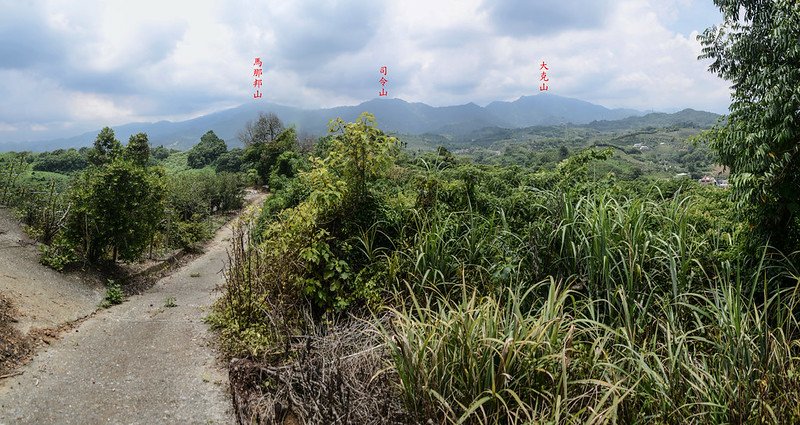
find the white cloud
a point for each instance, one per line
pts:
(149, 60)
(7, 127)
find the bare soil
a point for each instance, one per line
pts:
(35, 301)
(148, 360)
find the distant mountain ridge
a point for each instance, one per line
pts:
(392, 115)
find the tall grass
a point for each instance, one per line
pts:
(644, 319)
(709, 356)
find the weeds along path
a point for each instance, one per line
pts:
(142, 362)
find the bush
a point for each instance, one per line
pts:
(191, 233)
(58, 254)
(230, 161)
(114, 294)
(202, 193)
(60, 161)
(206, 151)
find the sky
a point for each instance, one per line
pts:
(70, 67)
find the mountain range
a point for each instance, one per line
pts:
(393, 115)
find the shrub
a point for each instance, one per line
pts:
(114, 294)
(206, 151)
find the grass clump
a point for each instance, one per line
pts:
(114, 294)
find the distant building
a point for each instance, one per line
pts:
(708, 180)
(722, 182)
(682, 176)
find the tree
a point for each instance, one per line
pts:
(359, 154)
(64, 162)
(207, 151)
(106, 147)
(757, 48)
(262, 155)
(138, 149)
(230, 161)
(265, 129)
(160, 152)
(117, 203)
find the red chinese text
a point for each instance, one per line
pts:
(257, 78)
(543, 77)
(383, 81)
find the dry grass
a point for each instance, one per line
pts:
(335, 375)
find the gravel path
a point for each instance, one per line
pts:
(140, 362)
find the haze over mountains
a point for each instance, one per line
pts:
(393, 115)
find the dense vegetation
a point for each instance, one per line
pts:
(110, 202)
(757, 48)
(537, 280)
(507, 293)
(548, 275)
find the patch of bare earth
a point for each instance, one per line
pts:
(36, 301)
(14, 347)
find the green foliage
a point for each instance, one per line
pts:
(286, 167)
(546, 354)
(192, 198)
(202, 192)
(311, 240)
(521, 293)
(114, 294)
(358, 154)
(138, 150)
(263, 155)
(58, 254)
(106, 148)
(176, 163)
(482, 359)
(230, 161)
(757, 48)
(12, 167)
(116, 206)
(161, 153)
(190, 233)
(206, 151)
(60, 161)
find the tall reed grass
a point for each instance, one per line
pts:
(641, 317)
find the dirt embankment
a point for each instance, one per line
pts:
(36, 300)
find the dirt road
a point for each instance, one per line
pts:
(141, 362)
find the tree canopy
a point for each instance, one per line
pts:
(106, 147)
(262, 155)
(265, 128)
(117, 203)
(138, 149)
(206, 151)
(757, 49)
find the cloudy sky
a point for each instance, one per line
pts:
(69, 67)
